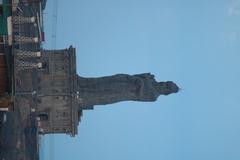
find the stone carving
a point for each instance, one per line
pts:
(122, 87)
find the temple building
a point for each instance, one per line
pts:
(56, 92)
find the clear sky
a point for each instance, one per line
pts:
(191, 42)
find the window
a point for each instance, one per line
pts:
(43, 116)
(39, 100)
(65, 114)
(55, 91)
(1, 10)
(45, 66)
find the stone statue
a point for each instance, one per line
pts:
(122, 87)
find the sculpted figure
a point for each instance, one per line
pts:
(122, 87)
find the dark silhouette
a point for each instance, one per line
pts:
(122, 87)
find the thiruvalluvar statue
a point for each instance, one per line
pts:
(122, 87)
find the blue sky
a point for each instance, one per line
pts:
(194, 43)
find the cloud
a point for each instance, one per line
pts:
(234, 8)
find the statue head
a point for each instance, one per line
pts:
(149, 84)
(166, 88)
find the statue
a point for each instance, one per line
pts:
(122, 87)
